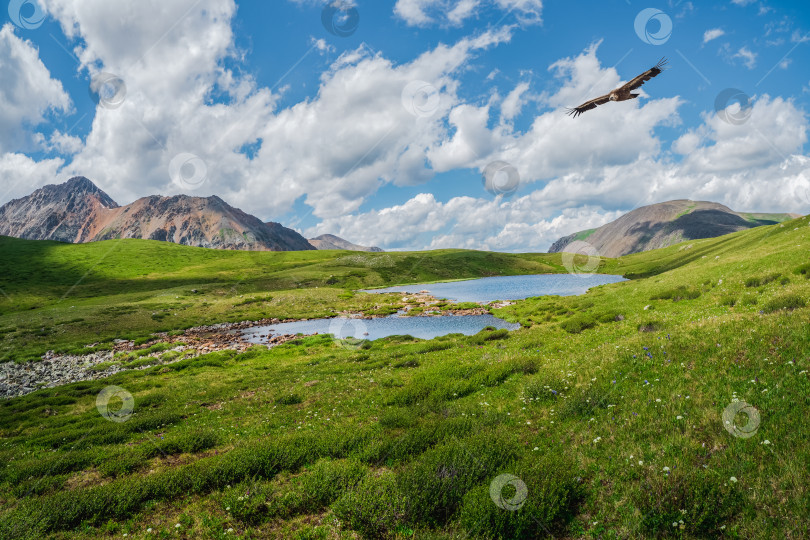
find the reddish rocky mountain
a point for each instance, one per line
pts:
(78, 211)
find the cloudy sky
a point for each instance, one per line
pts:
(411, 124)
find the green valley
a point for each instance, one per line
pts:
(606, 410)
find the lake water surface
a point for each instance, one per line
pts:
(379, 327)
(474, 290)
(508, 287)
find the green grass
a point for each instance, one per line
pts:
(615, 429)
(765, 218)
(63, 297)
(583, 235)
(688, 210)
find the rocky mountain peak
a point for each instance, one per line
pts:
(78, 211)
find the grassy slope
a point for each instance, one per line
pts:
(402, 438)
(765, 217)
(63, 297)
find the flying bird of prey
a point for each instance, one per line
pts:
(623, 93)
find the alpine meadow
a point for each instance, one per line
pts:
(341, 269)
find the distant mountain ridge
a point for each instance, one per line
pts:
(78, 211)
(667, 223)
(330, 241)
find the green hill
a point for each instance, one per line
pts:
(606, 407)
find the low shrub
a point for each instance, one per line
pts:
(609, 317)
(171, 355)
(435, 484)
(327, 480)
(771, 277)
(753, 282)
(289, 399)
(728, 300)
(375, 508)
(391, 382)
(396, 419)
(197, 440)
(681, 292)
(546, 506)
(39, 486)
(407, 363)
(787, 302)
(578, 323)
(651, 326)
(141, 362)
(39, 468)
(489, 333)
(503, 333)
(119, 498)
(700, 499)
(253, 502)
(527, 366)
(123, 463)
(139, 422)
(383, 450)
(803, 270)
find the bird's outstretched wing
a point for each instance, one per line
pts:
(644, 77)
(588, 105)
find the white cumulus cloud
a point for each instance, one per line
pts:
(714, 33)
(27, 91)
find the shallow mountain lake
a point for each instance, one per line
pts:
(485, 290)
(419, 327)
(474, 290)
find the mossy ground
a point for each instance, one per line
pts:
(615, 428)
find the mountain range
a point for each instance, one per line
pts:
(667, 223)
(78, 211)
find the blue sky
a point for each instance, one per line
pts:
(382, 135)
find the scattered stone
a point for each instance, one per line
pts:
(56, 370)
